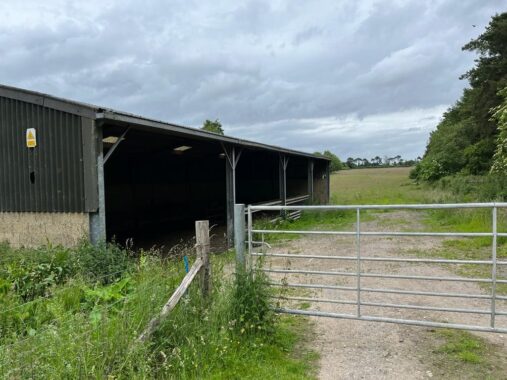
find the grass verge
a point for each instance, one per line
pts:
(462, 355)
(59, 320)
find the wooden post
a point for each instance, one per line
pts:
(202, 248)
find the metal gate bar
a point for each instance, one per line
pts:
(393, 259)
(394, 320)
(493, 297)
(391, 305)
(379, 275)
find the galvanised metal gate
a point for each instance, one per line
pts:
(490, 313)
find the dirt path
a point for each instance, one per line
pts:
(352, 349)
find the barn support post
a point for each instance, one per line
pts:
(310, 180)
(231, 163)
(98, 218)
(282, 175)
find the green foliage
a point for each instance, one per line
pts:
(465, 140)
(213, 126)
(500, 157)
(33, 272)
(428, 170)
(86, 324)
(378, 162)
(236, 334)
(250, 305)
(104, 262)
(492, 187)
(336, 163)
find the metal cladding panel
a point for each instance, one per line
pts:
(48, 178)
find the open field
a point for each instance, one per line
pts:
(376, 186)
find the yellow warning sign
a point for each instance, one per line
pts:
(31, 138)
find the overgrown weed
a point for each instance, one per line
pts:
(86, 324)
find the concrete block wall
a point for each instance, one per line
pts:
(34, 229)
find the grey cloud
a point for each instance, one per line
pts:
(307, 34)
(272, 71)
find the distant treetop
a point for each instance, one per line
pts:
(336, 163)
(213, 126)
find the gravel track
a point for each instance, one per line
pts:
(353, 349)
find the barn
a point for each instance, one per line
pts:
(70, 171)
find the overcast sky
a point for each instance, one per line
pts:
(358, 77)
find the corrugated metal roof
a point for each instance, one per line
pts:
(107, 115)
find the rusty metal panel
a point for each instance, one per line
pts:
(48, 178)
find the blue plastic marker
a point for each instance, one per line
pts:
(185, 260)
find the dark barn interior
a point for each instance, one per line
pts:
(257, 177)
(157, 184)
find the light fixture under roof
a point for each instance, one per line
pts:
(110, 140)
(182, 148)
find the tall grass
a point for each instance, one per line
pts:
(485, 188)
(82, 326)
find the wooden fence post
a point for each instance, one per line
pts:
(202, 247)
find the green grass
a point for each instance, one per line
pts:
(309, 220)
(460, 352)
(462, 346)
(77, 326)
(378, 186)
(287, 359)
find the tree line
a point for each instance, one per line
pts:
(378, 161)
(375, 162)
(471, 138)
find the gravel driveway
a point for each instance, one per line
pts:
(353, 349)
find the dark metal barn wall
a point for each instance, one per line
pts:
(48, 178)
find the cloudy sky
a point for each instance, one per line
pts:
(358, 77)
